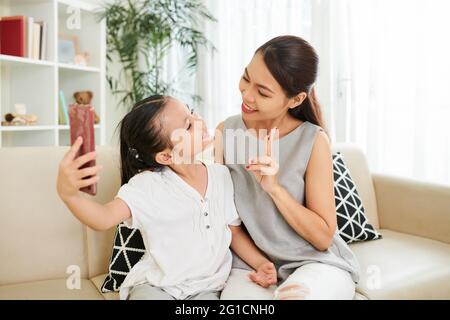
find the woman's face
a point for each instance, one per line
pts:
(186, 129)
(262, 96)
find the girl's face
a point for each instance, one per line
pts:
(262, 97)
(186, 130)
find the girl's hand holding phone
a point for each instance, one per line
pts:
(70, 177)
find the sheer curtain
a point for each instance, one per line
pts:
(392, 81)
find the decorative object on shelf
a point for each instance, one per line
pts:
(69, 51)
(140, 33)
(16, 119)
(20, 108)
(81, 59)
(85, 98)
(68, 48)
(19, 117)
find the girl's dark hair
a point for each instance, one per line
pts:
(141, 137)
(293, 62)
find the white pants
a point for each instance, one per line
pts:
(313, 281)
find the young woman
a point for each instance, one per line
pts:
(183, 208)
(291, 215)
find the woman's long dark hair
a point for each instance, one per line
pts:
(141, 137)
(293, 62)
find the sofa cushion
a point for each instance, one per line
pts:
(49, 290)
(37, 226)
(98, 283)
(128, 249)
(402, 266)
(356, 162)
(39, 237)
(352, 223)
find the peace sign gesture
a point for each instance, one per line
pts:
(265, 168)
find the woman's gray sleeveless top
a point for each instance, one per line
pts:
(262, 219)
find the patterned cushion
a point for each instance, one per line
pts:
(128, 249)
(352, 222)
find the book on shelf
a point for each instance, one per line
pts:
(64, 108)
(36, 41)
(61, 116)
(13, 40)
(22, 36)
(29, 36)
(43, 42)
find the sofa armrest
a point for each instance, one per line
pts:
(413, 207)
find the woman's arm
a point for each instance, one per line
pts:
(70, 180)
(246, 249)
(316, 222)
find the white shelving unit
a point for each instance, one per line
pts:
(36, 83)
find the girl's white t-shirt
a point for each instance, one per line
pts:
(187, 237)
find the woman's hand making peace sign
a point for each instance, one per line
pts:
(265, 168)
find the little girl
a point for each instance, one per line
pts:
(183, 208)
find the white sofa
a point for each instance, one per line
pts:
(40, 239)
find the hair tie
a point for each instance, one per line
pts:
(133, 152)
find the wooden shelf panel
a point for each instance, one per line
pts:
(26, 128)
(12, 60)
(77, 68)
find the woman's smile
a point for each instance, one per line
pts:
(247, 109)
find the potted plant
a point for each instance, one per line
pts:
(139, 35)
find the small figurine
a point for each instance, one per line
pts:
(15, 119)
(81, 59)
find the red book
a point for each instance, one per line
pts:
(13, 36)
(82, 124)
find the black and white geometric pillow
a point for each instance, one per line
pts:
(351, 220)
(128, 249)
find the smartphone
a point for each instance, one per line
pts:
(81, 119)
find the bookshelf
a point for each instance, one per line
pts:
(37, 83)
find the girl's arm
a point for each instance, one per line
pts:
(246, 249)
(70, 180)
